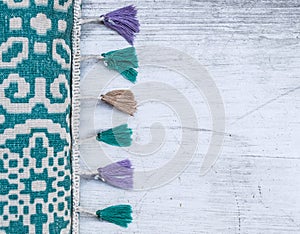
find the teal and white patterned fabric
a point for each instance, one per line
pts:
(35, 67)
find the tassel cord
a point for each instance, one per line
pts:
(89, 175)
(94, 98)
(87, 139)
(82, 210)
(122, 100)
(100, 99)
(88, 57)
(117, 174)
(90, 98)
(92, 20)
(120, 137)
(119, 215)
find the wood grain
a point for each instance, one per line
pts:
(252, 51)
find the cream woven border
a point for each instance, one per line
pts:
(75, 115)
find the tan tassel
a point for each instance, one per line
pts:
(122, 100)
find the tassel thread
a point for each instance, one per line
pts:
(119, 215)
(123, 21)
(122, 100)
(119, 174)
(118, 136)
(123, 61)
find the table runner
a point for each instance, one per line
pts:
(35, 71)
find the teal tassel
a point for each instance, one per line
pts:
(118, 136)
(130, 74)
(119, 215)
(123, 61)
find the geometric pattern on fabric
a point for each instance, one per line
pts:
(35, 70)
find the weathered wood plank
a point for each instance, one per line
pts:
(252, 51)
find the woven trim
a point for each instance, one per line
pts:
(75, 116)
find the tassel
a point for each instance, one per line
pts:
(122, 100)
(119, 215)
(118, 136)
(123, 21)
(119, 174)
(130, 74)
(123, 61)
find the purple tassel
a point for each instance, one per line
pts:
(119, 174)
(123, 21)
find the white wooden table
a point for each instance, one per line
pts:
(251, 49)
